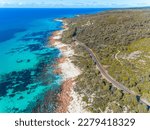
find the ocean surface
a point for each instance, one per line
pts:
(27, 61)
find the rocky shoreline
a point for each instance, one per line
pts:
(69, 101)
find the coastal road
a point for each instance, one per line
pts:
(108, 77)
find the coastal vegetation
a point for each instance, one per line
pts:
(121, 41)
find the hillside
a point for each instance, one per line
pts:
(121, 41)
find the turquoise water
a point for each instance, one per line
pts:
(27, 71)
(27, 81)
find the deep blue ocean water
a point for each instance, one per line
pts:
(27, 60)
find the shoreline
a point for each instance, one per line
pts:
(69, 101)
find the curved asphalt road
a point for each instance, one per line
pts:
(108, 77)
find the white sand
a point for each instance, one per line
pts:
(59, 45)
(69, 70)
(59, 20)
(60, 32)
(68, 53)
(56, 37)
(76, 105)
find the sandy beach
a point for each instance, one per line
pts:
(69, 100)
